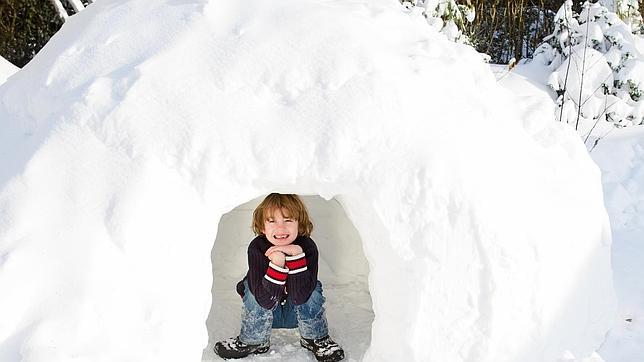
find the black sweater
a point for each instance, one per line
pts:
(270, 283)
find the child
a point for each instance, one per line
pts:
(281, 289)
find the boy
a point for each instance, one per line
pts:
(281, 289)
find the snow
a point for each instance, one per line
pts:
(6, 70)
(620, 156)
(482, 224)
(583, 79)
(600, 79)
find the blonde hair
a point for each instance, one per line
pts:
(293, 207)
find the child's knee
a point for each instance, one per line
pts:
(317, 292)
(317, 299)
(249, 300)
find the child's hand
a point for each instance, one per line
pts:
(291, 249)
(277, 257)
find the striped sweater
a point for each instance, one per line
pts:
(270, 283)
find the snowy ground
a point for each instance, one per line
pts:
(345, 302)
(620, 156)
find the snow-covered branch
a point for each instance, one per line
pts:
(60, 9)
(596, 71)
(76, 5)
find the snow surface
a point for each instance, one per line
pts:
(620, 156)
(7, 69)
(483, 225)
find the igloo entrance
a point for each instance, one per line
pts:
(343, 271)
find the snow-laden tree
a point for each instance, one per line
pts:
(627, 10)
(446, 16)
(598, 70)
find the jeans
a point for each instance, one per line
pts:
(257, 322)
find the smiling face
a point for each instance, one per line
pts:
(279, 227)
(281, 218)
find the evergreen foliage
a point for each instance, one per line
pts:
(597, 68)
(451, 18)
(502, 29)
(507, 29)
(25, 27)
(446, 16)
(629, 12)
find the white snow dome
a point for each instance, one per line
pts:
(141, 123)
(6, 69)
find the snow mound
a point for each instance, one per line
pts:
(6, 70)
(141, 123)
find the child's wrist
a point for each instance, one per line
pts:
(298, 251)
(279, 263)
(277, 258)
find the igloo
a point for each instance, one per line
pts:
(6, 69)
(142, 122)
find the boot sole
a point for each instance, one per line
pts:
(332, 358)
(257, 351)
(261, 350)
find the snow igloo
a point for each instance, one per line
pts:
(141, 123)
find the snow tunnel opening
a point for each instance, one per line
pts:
(343, 271)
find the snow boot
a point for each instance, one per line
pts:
(324, 349)
(234, 348)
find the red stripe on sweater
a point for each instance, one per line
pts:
(276, 274)
(296, 264)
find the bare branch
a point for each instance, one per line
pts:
(581, 86)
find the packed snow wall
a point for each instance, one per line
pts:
(141, 123)
(6, 69)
